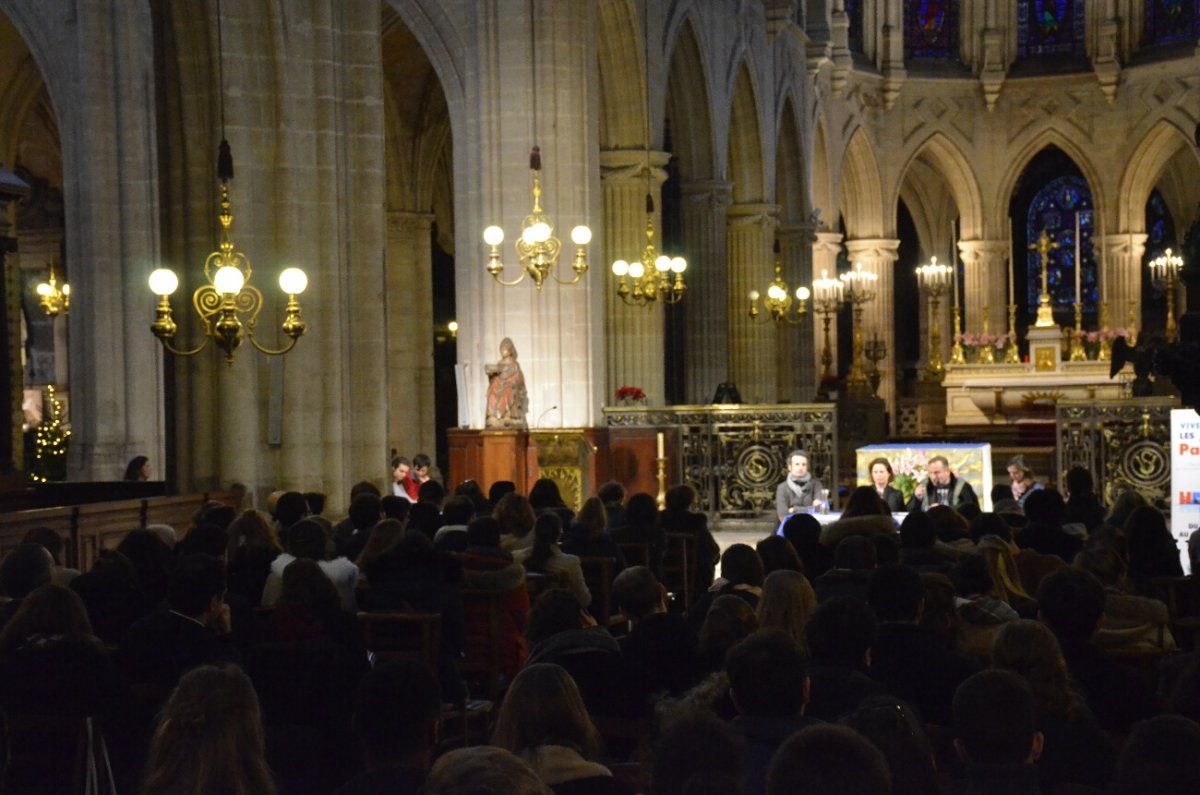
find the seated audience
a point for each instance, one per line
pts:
(854, 559)
(1152, 550)
(384, 538)
(452, 535)
(1076, 748)
(483, 770)
(918, 538)
(53, 542)
(291, 507)
(679, 518)
(728, 620)
(473, 492)
(977, 605)
(210, 737)
(1126, 503)
(25, 568)
(308, 539)
(769, 686)
(396, 714)
(543, 720)
(997, 553)
(546, 557)
(1043, 531)
(641, 525)
(612, 497)
(659, 650)
(828, 760)
(110, 593)
(516, 519)
(696, 748)
(485, 566)
(252, 547)
(588, 536)
(150, 558)
(1129, 620)
(1161, 756)
(865, 514)
(787, 603)
(893, 728)
(804, 532)
(839, 638)
(545, 497)
(365, 512)
(1071, 603)
(741, 576)
(906, 659)
(777, 553)
(995, 733)
(193, 629)
(394, 507)
(499, 490)
(1083, 506)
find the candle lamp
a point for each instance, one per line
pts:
(1164, 274)
(860, 289)
(933, 279)
(827, 300)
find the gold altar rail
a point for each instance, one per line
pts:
(735, 455)
(1125, 444)
(87, 529)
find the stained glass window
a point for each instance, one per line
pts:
(1171, 21)
(930, 29)
(854, 10)
(1050, 27)
(1054, 209)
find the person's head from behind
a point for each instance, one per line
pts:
(641, 511)
(1161, 756)
(431, 492)
(499, 490)
(473, 492)
(841, 632)
(1029, 649)
(917, 531)
(896, 593)
(729, 619)
(365, 511)
(1071, 602)
(204, 539)
(777, 553)
(26, 567)
(48, 538)
(394, 507)
(768, 674)
(251, 529)
(49, 611)
(1104, 562)
(1147, 537)
(547, 530)
(483, 770)
(990, 524)
(556, 610)
(545, 494)
(458, 511)
(290, 508)
(828, 760)
(1079, 482)
(638, 593)
(787, 603)
(695, 745)
(196, 585)
(679, 498)
(483, 531)
(892, 727)
(307, 589)
(741, 565)
(1045, 507)
(362, 487)
(995, 720)
(396, 714)
(515, 515)
(855, 553)
(210, 737)
(864, 501)
(611, 493)
(971, 578)
(592, 518)
(150, 556)
(543, 706)
(307, 539)
(948, 524)
(803, 530)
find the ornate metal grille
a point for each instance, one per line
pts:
(1124, 444)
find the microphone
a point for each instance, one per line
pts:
(542, 416)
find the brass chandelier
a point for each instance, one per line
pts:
(778, 302)
(227, 305)
(648, 279)
(54, 299)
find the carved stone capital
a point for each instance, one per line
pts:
(882, 250)
(713, 194)
(629, 166)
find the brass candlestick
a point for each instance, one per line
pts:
(987, 354)
(662, 483)
(1078, 352)
(934, 279)
(956, 350)
(859, 290)
(1011, 354)
(1045, 313)
(1105, 353)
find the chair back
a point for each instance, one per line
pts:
(395, 636)
(636, 553)
(677, 567)
(597, 573)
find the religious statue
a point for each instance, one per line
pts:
(507, 401)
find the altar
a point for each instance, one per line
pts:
(1002, 394)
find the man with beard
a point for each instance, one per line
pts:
(941, 487)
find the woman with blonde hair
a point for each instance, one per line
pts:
(1006, 580)
(209, 740)
(516, 518)
(543, 720)
(384, 537)
(787, 602)
(253, 545)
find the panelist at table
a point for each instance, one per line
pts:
(800, 490)
(941, 487)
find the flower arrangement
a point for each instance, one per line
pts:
(630, 394)
(1104, 335)
(972, 340)
(909, 470)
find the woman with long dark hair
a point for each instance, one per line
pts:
(545, 557)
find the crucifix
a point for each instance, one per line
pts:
(1045, 314)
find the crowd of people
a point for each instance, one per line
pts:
(1021, 651)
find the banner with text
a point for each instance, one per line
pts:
(1185, 477)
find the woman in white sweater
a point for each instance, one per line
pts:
(307, 539)
(545, 557)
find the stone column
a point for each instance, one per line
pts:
(752, 345)
(1122, 277)
(825, 263)
(705, 310)
(634, 333)
(408, 305)
(797, 376)
(879, 256)
(985, 284)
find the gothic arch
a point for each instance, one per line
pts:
(689, 101)
(1146, 167)
(862, 194)
(1021, 159)
(624, 76)
(746, 149)
(791, 167)
(944, 157)
(432, 29)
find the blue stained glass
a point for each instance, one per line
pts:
(1171, 21)
(1050, 27)
(1054, 209)
(854, 11)
(931, 29)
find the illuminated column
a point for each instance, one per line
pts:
(879, 256)
(796, 376)
(985, 284)
(1122, 277)
(705, 309)
(752, 345)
